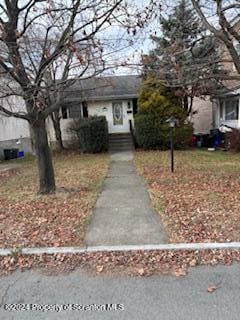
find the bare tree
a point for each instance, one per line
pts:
(59, 77)
(40, 39)
(222, 19)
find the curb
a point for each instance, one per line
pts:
(122, 248)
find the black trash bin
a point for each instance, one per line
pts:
(10, 153)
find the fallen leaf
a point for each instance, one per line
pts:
(193, 263)
(35, 233)
(180, 272)
(141, 271)
(99, 269)
(211, 289)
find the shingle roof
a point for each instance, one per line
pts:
(228, 88)
(104, 88)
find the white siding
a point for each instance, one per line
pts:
(65, 124)
(99, 108)
(10, 127)
(104, 108)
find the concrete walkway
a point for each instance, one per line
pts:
(123, 213)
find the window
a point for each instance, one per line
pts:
(74, 111)
(221, 110)
(85, 109)
(117, 110)
(231, 109)
(135, 106)
(64, 112)
(237, 47)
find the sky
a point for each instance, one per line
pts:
(131, 52)
(120, 50)
(142, 42)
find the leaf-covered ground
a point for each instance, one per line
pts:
(138, 263)
(29, 220)
(200, 201)
(190, 203)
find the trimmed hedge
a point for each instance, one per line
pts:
(152, 133)
(92, 134)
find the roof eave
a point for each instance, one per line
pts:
(102, 98)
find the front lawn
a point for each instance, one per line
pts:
(28, 220)
(200, 202)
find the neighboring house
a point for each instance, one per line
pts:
(202, 115)
(14, 133)
(226, 104)
(226, 109)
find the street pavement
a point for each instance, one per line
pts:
(81, 296)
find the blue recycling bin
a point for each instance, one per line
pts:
(21, 154)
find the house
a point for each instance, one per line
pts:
(226, 103)
(14, 133)
(115, 98)
(226, 109)
(202, 115)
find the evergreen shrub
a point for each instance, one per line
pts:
(156, 104)
(92, 134)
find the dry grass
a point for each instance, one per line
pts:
(27, 219)
(200, 201)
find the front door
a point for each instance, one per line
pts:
(119, 118)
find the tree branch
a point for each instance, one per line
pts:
(9, 113)
(10, 71)
(208, 26)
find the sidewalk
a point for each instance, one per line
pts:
(123, 214)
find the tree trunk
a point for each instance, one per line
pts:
(57, 129)
(44, 157)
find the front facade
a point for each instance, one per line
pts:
(116, 99)
(118, 113)
(112, 97)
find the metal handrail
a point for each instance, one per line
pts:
(132, 133)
